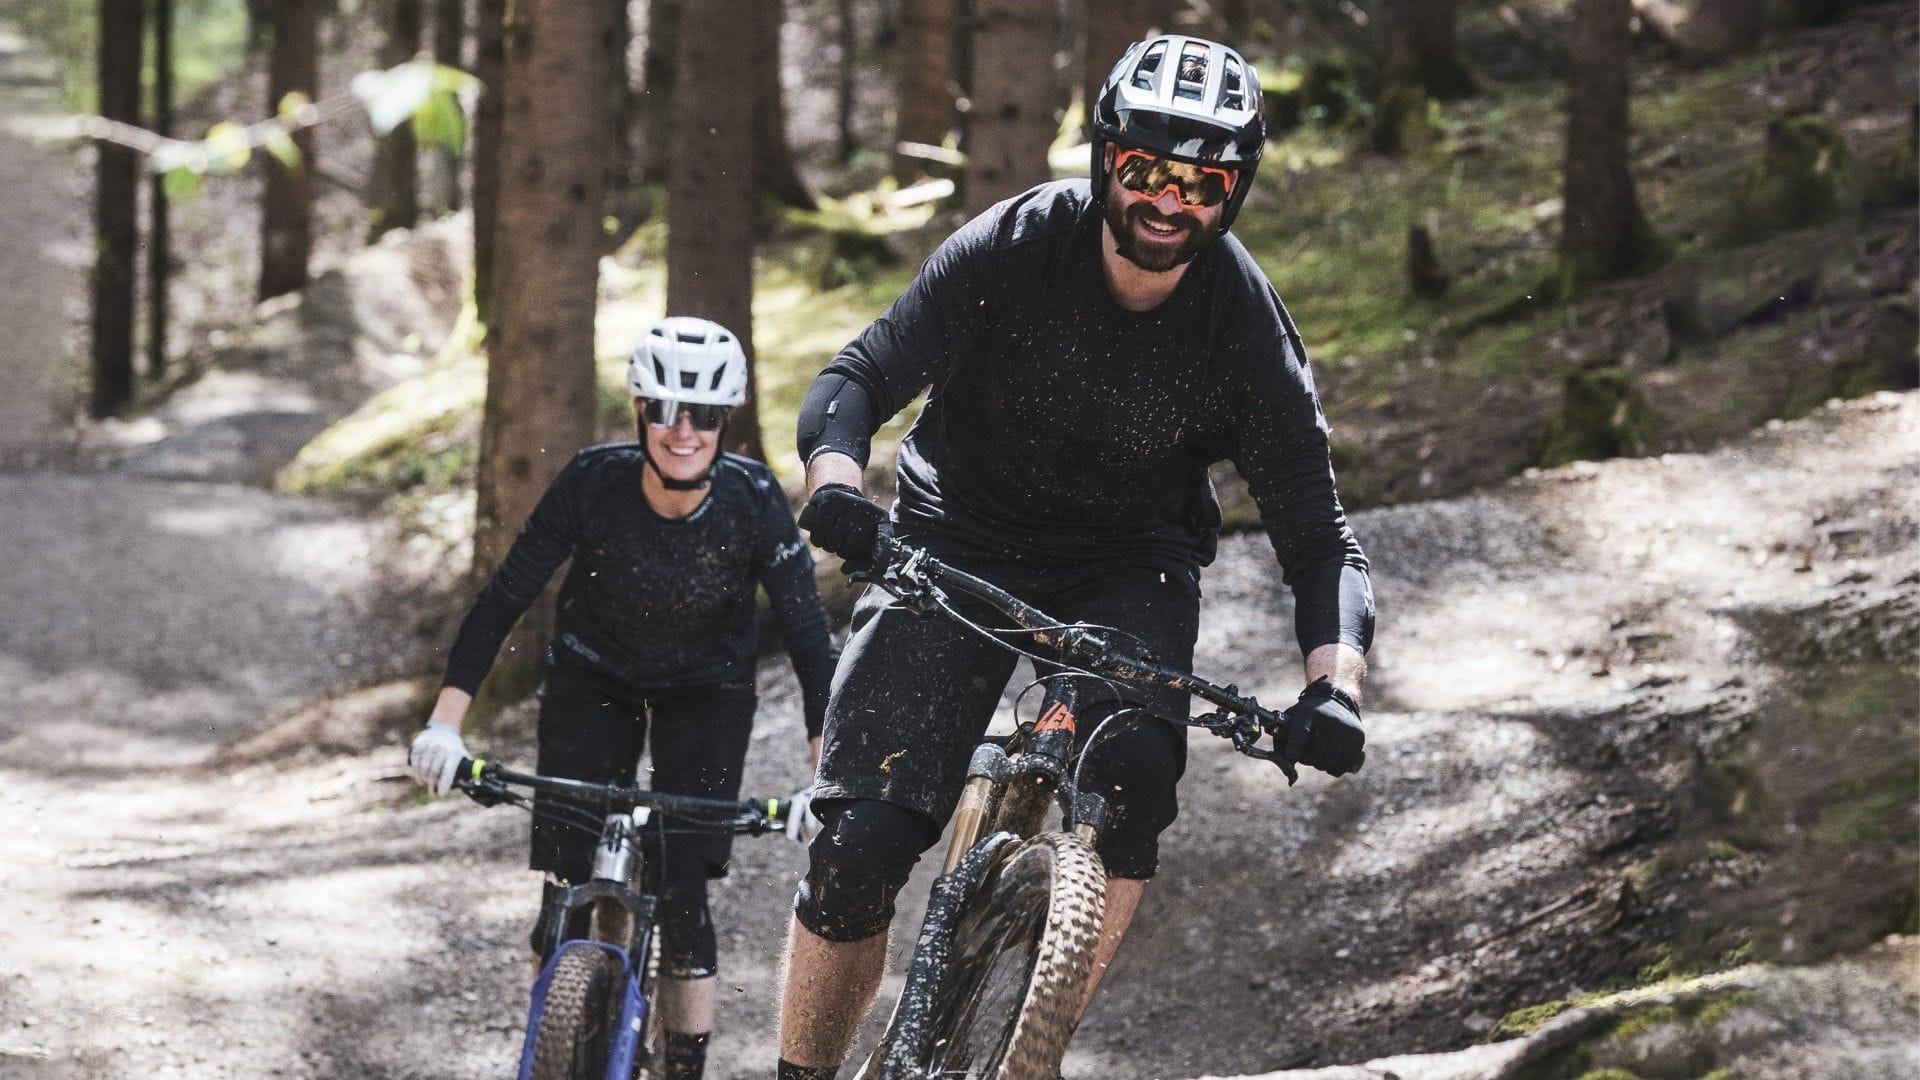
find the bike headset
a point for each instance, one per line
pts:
(686, 361)
(1184, 98)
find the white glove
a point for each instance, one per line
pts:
(802, 823)
(435, 757)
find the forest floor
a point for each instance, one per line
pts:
(1630, 721)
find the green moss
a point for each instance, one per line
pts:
(1531, 1018)
(1609, 1074)
(1796, 182)
(1602, 416)
(1713, 1010)
(1640, 1020)
(419, 434)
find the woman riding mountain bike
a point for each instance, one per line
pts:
(655, 639)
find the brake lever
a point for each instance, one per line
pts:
(485, 792)
(1263, 720)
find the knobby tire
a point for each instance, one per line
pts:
(1003, 1004)
(575, 1031)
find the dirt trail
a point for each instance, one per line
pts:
(43, 251)
(304, 917)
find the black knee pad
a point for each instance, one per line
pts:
(1134, 762)
(858, 864)
(688, 949)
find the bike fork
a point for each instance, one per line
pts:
(985, 774)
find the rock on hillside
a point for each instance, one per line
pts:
(302, 362)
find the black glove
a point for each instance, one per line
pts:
(1322, 730)
(848, 524)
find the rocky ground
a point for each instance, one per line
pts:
(1629, 721)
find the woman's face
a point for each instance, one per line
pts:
(680, 451)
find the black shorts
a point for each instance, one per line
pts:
(914, 695)
(593, 729)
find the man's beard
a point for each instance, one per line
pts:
(1122, 210)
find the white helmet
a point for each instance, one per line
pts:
(689, 361)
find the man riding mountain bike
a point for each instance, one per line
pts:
(655, 640)
(1091, 348)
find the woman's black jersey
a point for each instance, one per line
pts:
(656, 602)
(1063, 427)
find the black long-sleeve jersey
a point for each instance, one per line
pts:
(657, 602)
(1063, 426)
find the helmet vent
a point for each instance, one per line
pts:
(718, 374)
(1190, 81)
(1232, 92)
(689, 379)
(691, 339)
(659, 371)
(1149, 66)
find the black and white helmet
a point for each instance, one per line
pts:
(689, 361)
(1184, 98)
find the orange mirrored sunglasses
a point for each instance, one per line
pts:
(1148, 175)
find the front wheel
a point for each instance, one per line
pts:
(1002, 1001)
(574, 1031)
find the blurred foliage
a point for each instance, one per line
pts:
(209, 41)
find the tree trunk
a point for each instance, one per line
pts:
(1236, 20)
(843, 93)
(624, 204)
(710, 201)
(923, 80)
(1436, 59)
(159, 245)
(1399, 101)
(449, 37)
(286, 216)
(658, 75)
(1110, 28)
(1602, 232)
(774, 172)
(1013, 115)
(553, 167)
(115, 208)
(396, 181)
(490, 67)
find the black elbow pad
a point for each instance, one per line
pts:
(836, 415)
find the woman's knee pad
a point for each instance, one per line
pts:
(678, 878)
(857, 866)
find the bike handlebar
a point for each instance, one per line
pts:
(915, 576)
(480, 779)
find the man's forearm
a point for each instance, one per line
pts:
(1341, 664)
(832, 467)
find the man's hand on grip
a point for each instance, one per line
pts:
(1322, 730)
(846, 523)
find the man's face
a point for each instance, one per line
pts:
(1157, 234)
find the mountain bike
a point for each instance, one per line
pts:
(1000, 969)
(591, 1010)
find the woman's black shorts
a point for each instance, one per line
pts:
(593, 729)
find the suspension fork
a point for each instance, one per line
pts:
(986, 774)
